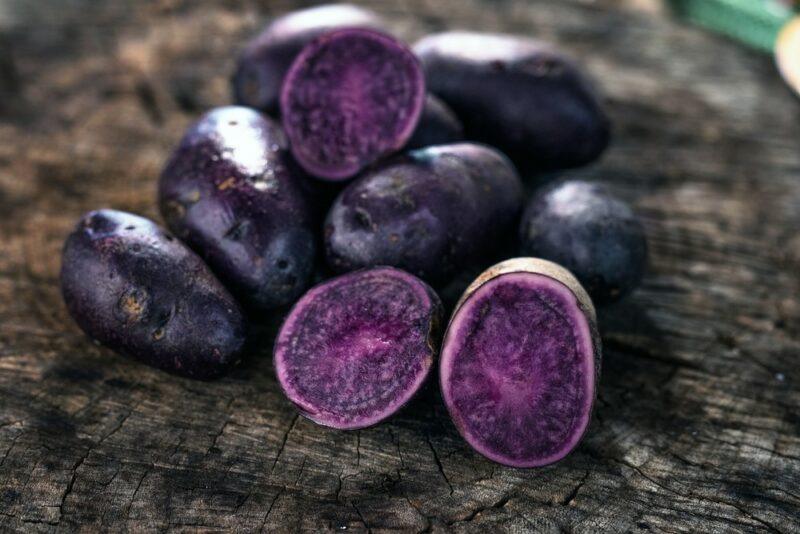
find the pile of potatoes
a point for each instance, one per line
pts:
(384, 171)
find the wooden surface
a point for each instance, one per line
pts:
(699, 411)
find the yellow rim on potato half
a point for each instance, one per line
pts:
(787, 53)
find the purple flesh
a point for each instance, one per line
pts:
(356, 348)
(518, 369)
(265, 60)
(351, 97)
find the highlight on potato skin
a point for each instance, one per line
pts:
(356, 348)
(265, 60)
(231, 191)
(430, 211)
(520, 363)
(138, 290)
(518, 94)
(595, 235)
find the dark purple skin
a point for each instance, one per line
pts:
(350, 98)
(583, 227)
(430, 212)
(520, 362)
(355, 349)
(139, 291)
(265, 60)
(231, 193)
(519, 95)
(438, 125)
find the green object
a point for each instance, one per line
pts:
(753, 22)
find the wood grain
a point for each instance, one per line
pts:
(698, 426)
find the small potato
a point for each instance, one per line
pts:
(595, 235)
(430, 212)
(141, 292)
(232, 193)
(517, 94)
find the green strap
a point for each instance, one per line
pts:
(753, 22)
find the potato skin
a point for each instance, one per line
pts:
(265, 60)
(231, 192)
(438, 125)
(141, 292)
(519, 95)
(429, 212)
(597, 236)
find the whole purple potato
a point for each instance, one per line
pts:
(438, 125)
(229, 191)
(351, 97)
(519, 95)
(520, 363)
(139, 291)
(429, 212)
(356, 348)
(595, 235)
(263, 63)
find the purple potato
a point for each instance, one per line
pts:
(231, 192)
(596, 236)
(356, 348)
(430, 212)
(520, 363)
(263, 63)
(519, 95)
(438, 125)
(350, 98)
(139, 291)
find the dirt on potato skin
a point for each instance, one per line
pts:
(138, 290)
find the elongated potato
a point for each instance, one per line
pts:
(230, 191)
(136, 289)
(517, 94)
(430, 212)
(520, 363)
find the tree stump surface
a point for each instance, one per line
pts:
(698, 420)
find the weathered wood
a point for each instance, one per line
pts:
(698, 421)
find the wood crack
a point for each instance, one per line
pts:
(71, 483)
(135, 491)
(570, 498)
(499, 505)
(691, 494)
(283, 442)
(439, 463)
(269, 509)
(361, 517)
